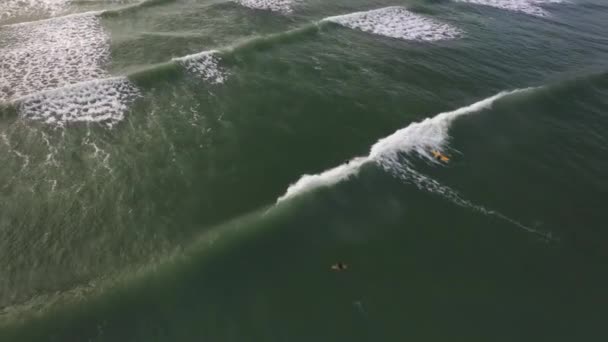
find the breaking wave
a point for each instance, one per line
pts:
(10, 9)
(391, 154)
(282, 6)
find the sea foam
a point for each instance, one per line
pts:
(282, 6)
(103, 101)
(420, 137)
(14, 8)
(397, 22)
(391, 154)
(531, 7)
(51, 53)
(205, 65)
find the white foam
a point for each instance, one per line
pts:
(397, 22)
(103, 101)
(391, 154)
(531, 7)
(420, 137)
(429, 134)
(50, 54)
(282, 6)
(204, 64)
(325, 179)
(10, 9)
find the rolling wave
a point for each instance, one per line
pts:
(391, 154)
(419, 137)
(74, 71)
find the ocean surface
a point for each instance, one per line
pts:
(190, 170)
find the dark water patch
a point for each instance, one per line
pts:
(217, 290)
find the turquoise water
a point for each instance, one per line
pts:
(190, 170)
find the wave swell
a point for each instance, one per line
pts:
(397, 22)
(391, 154)
(68, 62)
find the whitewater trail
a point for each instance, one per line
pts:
(391, 154)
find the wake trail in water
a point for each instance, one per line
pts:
(391, 154)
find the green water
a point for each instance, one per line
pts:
(139, 189)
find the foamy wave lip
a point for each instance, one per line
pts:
(420, 137)
(206, 65)
(397, 22)
(531, 7)
(102, 101)
(283, 6)
(14, 8)
(325, 179)
(50, 54)
(391, 154)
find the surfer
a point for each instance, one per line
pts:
(440, 156)
(339, 267)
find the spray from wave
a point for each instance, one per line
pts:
(391, 154)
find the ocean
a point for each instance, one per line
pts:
(194, 170)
